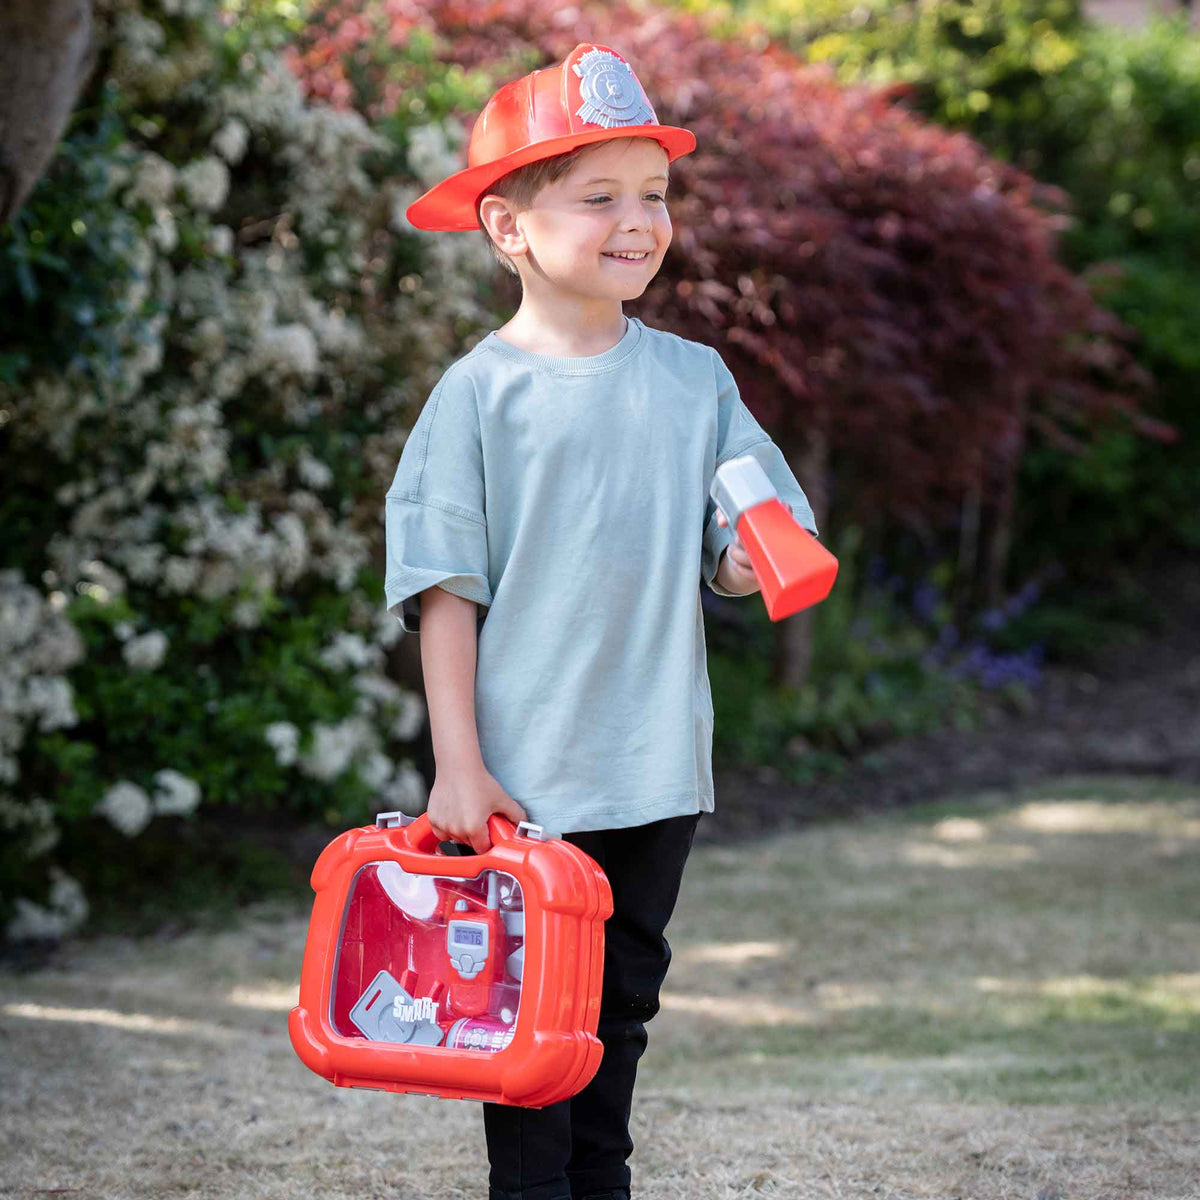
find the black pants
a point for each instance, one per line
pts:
(578, 1147)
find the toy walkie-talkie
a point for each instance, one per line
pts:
(793, 569)
(475, 948)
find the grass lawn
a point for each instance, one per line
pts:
(987, 998)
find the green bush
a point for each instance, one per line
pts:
(217, 332)
(978, 64)
(890, 660)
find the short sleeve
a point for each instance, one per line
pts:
(436, 523)
(739, 433)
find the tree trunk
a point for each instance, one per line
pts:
(968, 541)
(794, 636)
(46, 56)
(1006, 509)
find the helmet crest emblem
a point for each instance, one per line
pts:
(611, 93)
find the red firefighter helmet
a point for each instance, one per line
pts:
(592, 96)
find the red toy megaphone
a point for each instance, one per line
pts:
(793, 569)
(474, 977)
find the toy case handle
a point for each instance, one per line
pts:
(420, 835)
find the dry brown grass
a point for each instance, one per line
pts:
(993, 999)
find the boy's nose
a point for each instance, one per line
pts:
(637, 217)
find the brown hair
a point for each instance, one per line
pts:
(523, 184)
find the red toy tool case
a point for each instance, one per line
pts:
(473, 977)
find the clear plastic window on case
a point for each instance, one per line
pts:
(429, 960)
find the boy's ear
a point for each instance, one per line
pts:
(499, 219)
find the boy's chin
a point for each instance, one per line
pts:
(629, 287)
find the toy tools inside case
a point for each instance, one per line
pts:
(473, 977)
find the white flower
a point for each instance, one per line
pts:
(312, 471)
(127, 806)
(246, 614)
(38, 816)
(411, 719)
(181, 574)
(291, 349)
(387, 627)
(124, 630)
(429, 155)
(377, 689)
(163, 233)
(346, 650)
(153, 180)
(101, 573)
(37, 643)
(293, 546)
(220, 240)
(208, 338)
(67, 910)
(53, 701)
(376, 771)
(399, 200)
(343, 558)
(147, 652)
(143, 563)
(229, 378)
(335, 333)
(20, 610)
(231, 140)
(174, 793)
(284, 738)
(206, 182)
(334, 746)
(405, 791)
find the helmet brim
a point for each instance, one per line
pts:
(449, 207)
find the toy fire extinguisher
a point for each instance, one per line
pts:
(474, 977)
(793, 569)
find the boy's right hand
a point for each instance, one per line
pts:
(460, 803)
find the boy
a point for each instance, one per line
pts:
(547, 531)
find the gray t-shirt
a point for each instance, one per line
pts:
(568, 497)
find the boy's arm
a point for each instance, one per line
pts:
(448, 658)
(464, 793)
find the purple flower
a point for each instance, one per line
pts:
(996, 670)
(925, 600)
(947, 636)
(1022, 600)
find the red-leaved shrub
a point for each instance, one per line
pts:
(879, 287)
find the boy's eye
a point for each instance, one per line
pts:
(602, 199)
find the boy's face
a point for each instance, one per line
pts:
(613, 198)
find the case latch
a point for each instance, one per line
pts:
(534, 832)
(393, 820)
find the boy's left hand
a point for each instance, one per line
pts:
(740, 570)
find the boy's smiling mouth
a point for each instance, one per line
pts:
(627, 255)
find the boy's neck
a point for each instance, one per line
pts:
(568, 333)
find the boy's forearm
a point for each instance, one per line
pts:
(448, 657)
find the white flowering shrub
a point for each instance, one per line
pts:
(218, 329)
